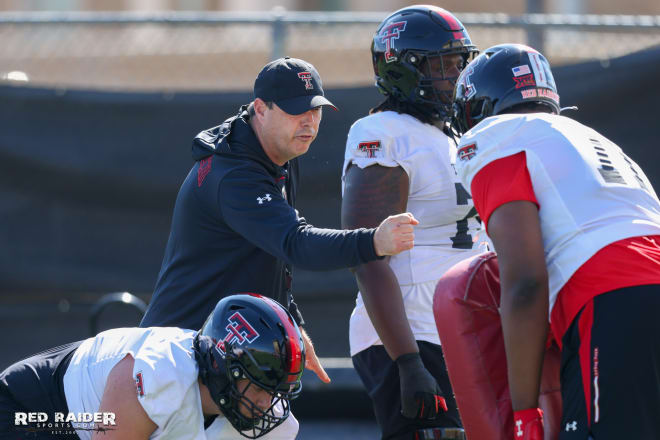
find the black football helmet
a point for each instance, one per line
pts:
(406, 50)
(252, 337)
(502, 77)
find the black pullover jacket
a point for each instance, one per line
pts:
(235, 230)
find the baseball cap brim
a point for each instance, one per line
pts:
(301, 104)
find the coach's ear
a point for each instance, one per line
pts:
(120, 398)
(260, 108)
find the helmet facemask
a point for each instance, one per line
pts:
(437, 72)
(246, 415)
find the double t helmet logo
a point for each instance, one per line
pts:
(390, 33)
(238, 331)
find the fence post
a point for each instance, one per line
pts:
(535, 34)
(279, 33)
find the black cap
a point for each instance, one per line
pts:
(293, 84)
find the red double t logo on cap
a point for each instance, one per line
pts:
(307, 77)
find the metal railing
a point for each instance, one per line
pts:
(224, 50)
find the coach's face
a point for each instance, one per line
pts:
(286, 136)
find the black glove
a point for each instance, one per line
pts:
(421, 396)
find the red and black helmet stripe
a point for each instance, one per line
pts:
(294, 363)
(453, 24)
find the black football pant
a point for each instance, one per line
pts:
(380, 377)
(35, 385)
(610, 368)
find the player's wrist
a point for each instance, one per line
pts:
(528, 424)
(408, 360)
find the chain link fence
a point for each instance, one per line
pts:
(224, 51)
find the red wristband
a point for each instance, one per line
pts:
(528, 424)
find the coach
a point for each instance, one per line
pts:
(234, 227)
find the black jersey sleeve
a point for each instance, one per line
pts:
(253, 206)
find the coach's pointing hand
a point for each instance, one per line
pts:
(395, 234)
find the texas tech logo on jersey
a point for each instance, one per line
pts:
(390, 33)
(467, 152)
(370, 147)
(238, 331)
(307, 77)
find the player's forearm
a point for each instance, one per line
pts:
(384, 303)
(524, 310)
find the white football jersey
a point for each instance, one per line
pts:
(590, 193)
(165, 371)
(448, 229)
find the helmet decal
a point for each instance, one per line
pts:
(470, 88)
(541, 70)
(238, 332)
(524, 81)
(521, 70)
(540, 93)
(388, 34)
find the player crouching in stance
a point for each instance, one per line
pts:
(242, 367)
(576, 227)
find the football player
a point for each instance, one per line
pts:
(232, 379)
(398, 159)
(576, 227)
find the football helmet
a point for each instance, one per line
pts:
(407, 53)
(251, 337)
(501, 77)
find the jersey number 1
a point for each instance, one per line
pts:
(608, 171)
(463, 240)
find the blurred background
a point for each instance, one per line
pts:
(100, 99)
